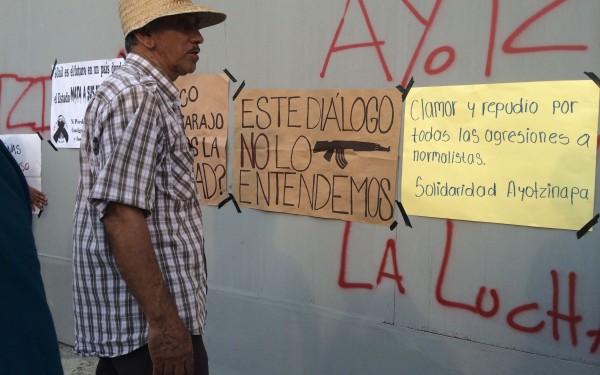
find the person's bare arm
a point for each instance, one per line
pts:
(169, 342)
(38, 198)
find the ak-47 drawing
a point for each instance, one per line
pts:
(340, 146)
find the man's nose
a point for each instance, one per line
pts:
(197, 37)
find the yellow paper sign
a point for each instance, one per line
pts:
(330, 154)
(205, 110)
(518, 153)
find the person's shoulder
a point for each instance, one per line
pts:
(122, 79)
(127, 82)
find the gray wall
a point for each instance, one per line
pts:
(276, 301)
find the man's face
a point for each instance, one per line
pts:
(176, 44)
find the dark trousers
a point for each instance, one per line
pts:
(138, 362)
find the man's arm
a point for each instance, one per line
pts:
(169, 342)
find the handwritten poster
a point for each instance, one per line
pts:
(330, 154)
(73, 85)
(517, 153)
(205, 110)
(27, 151)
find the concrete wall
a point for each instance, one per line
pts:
(277, 301)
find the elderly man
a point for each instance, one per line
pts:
(139, 267)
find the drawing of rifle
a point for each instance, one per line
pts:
(340, 146)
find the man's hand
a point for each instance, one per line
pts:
(169, 342)
(171, 350)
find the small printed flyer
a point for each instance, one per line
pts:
(73, 86)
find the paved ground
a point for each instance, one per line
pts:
(74, 364)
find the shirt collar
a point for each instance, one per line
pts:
(163, 81)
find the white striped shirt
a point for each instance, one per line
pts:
(134, 151)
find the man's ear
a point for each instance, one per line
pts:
(144, 31)
(144, 37)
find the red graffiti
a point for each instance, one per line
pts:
(512, 316)
(28, 93)
(571, 317)
(390, 251)
(374, 41)
(509, 47)
(342, 276)
(509, 44)
(428, 23)
(31, 93)
(390, 248)
(556, 316)
(492, 40)
(596, 344)
(477, 308)
(443, 57)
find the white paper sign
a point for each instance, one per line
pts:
(27, 151)
(73, 86)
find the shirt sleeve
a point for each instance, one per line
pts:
(128, 143)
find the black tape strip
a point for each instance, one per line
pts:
(394, 225)
(239, 90)
(40, 213)
(225, 201)
(593, 77)
(406, 90)
(237, 207)
(53, 146)
(53, 67)
(39, 135)
(404, 215)
(586, 228)
(231, 77)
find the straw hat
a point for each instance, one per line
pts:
(136, 14)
